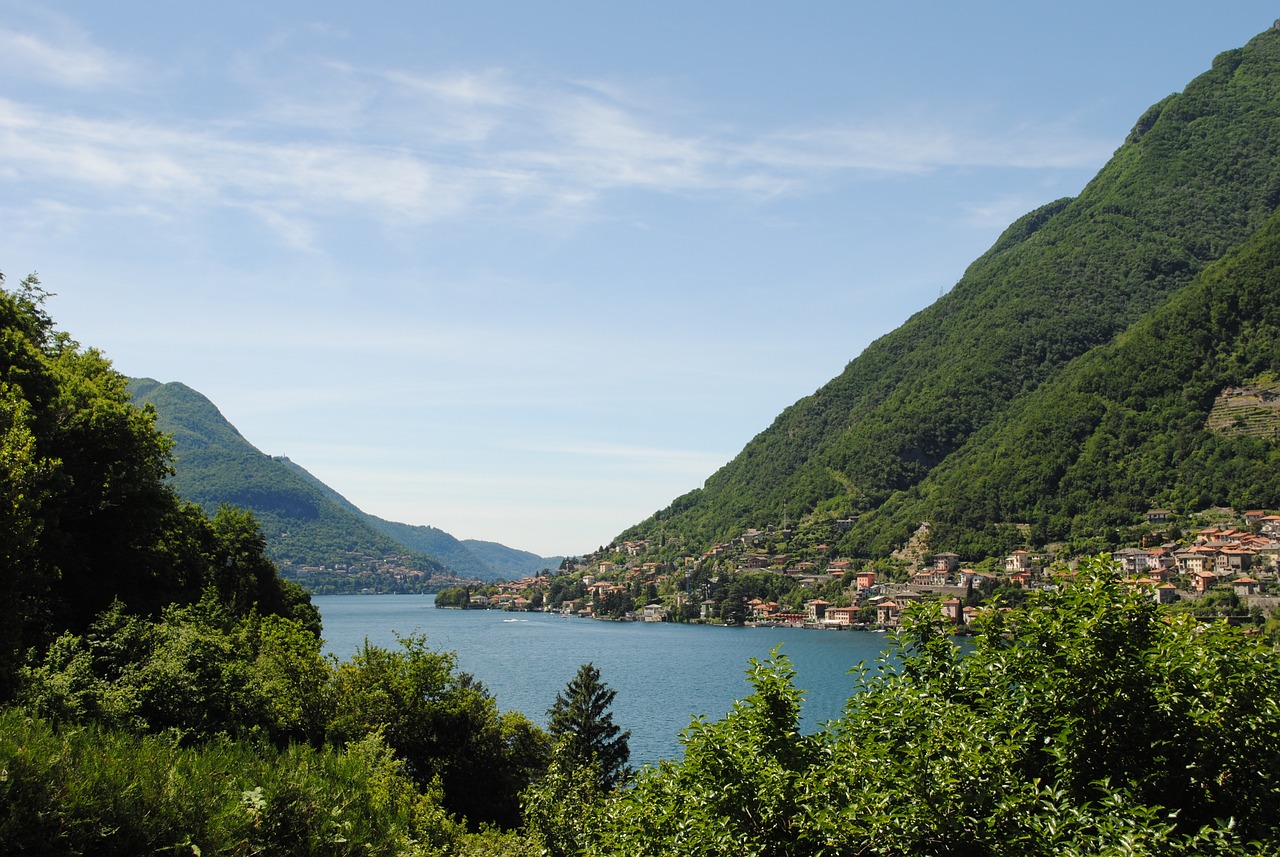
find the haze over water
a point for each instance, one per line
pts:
(665, 674)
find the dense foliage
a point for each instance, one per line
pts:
(198, 675)
(88, 516)
(99, 791)
(1195, 179)
(444, 724)
(457, 597)
(1125, 428)
(1085, 722)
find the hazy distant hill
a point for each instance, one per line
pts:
(1197, 177)
(469, 558)
(509, 562)
(306, 522)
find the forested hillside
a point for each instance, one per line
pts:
(214, 465)
(87, 515)
(306, 522)
(1198, 175)
(508, 562)
(1129, 426)
(479, 560)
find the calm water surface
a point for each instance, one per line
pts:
(665, 674)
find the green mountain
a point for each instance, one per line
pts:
(306, 522)
(1197, 177)
(1181, 411)
(464, 558)
(508, 562)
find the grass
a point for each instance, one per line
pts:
(71, 790)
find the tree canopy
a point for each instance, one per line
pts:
(1085, 722)
(89, 517)
(582, 728)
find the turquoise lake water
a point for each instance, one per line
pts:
(665, 674)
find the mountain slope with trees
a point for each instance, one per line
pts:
(1199, 174)
(89, 518)
(306, 522)
(464, 558)
(1127, 427)
(214, 465)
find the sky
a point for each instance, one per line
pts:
(527, 272)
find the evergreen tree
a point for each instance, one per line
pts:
(583, 730)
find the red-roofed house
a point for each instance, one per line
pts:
(1203, 581)
(1245, 586)
(888, 613)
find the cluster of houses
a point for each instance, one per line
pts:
(1217, 556)
(366, 575)
(366, 566)
(509, 595)
(1245, 559)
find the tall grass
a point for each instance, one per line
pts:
(71, 790)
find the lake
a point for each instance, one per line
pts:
(665, 674)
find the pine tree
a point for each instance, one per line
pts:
(583, 730)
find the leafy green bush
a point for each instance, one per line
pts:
(200, 675)
(1084, 722)
(93, 790)
(443, 723)
(197, 673)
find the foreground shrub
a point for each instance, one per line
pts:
(98, 791)
(1085, 722)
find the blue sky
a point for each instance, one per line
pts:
(527, 272)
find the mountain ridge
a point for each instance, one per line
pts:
(1197, 176)
(306, 522)
(1142, 406)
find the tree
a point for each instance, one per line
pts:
(1086, 721)
(443, 724)
(583, 730)
(87, 514)
(454, 596)
(741, 788)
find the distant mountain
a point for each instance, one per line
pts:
(508, 562)
(306, 522)
(904, 435)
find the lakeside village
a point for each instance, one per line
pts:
(1230, 569)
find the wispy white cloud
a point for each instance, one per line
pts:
(911, 146)
(475, 89)
(73, 62)
(403, 147)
